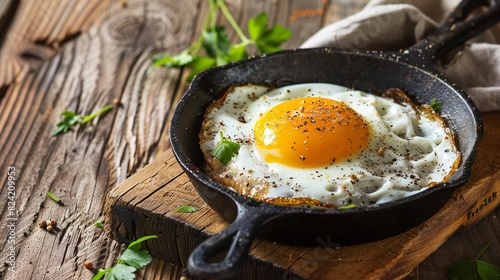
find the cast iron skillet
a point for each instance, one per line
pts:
(412, 70)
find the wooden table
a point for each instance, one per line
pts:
(82, 55)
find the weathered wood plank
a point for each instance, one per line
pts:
(38, 27)
(108, 60)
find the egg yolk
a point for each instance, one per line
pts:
(310, 132)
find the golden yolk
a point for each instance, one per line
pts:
(310, 132)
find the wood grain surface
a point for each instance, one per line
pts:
(83, 54)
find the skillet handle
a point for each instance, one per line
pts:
(455, 30)
(236, 238)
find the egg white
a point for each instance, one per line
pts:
(408, 150)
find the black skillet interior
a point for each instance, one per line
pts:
(411, 70)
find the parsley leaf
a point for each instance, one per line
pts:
(462, 269)
(215, 41)
(136, 245)
(237, 52)
(179, 60)
(487, 270)
(436, 105)
(225, 150)
(267, 40)
(199, 64)
(121, 272)
(132, 259)
(473, 269)
(257, 26)
(71, 119)
(187, 209)
(136, 258)
(216, 46)
(100, 273)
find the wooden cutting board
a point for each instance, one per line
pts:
(146, 203)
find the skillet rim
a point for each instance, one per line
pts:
(194, 170)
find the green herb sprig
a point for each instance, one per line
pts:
(349, 206)
(473, 269)
(436, 105)
(54, 198)
(71, 119)
(225, 150)
(99, 224)
(132, 259)
(218, 49)
(187, 209)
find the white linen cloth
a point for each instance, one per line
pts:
(394, 24)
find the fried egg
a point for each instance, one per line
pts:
(326, 145)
